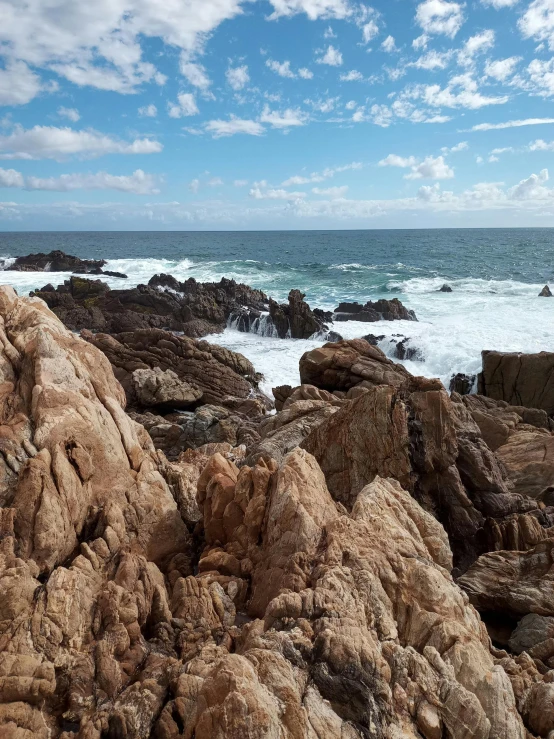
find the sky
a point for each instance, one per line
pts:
(275, 114)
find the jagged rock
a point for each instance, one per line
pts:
(223, 377)
(462, 383)
(380, 310)
(445, 289)
(295, 320)
(545, 292)
(55, 261)
(531, 631)
(372, 339)
(156, 387)
(405, 352)
(519, 379)
(346, 364)
(431, 445)
(528, 456)
(513, 583)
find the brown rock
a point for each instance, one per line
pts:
(545, 292)
(519, 379)
(155, 387)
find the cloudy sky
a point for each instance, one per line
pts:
(245, 114)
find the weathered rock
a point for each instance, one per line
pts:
(445, 289)
(404, 351)
(519, 379)
(295, 320)
(223, 377)
(346, 364)
(156, 387)
(461, 383)
(531, 631)
(380, 310)
(545, 292)
(56, 261)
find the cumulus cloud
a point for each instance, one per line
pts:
(194, 185)
(50, 142)
(462, 91)
(305, 74)
(475, 45)
(148, 111)
(185, 106)
(281, 68)
(138, 183)
(532, 188)
(314, 9)
(261, 191)
(332, 57)
(240, 183)
(18, 84)
(501, 69)
(462, 146)
(538, 22)
(432, 60)
(71, 113)
(325, 174)
(283, 119)
(388, 45)
(195, 73)
(440, 17)
(498, 4)
(369, 31)
(233, 126)
(352, 76)
(238, 77)
(430, 168)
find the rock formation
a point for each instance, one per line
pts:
(380, 310)
(58, 261)
(519, 379)
(545, 292)
(445, 288)
(269, 590)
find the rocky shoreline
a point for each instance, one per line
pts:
(371, 558)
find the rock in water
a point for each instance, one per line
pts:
(381, 310)
(445, 288)
(56, 261)
(519, 379)
(545, 292)
(462, 383)
(295, 320)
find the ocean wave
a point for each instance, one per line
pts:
(475, 286)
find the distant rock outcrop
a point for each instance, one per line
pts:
(545, 292)
(380, 310)
(58, 261)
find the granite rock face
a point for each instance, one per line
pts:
(281, 595)
(519, 379)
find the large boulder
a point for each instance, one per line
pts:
(163, 389)
(519, 379)
(347, 364)
(295, 320)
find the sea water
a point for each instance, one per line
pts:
(495, 276)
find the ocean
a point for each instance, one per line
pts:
(495, 276)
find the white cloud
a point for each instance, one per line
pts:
(195, 73)
(329, 33)
(314, 9)
(215, 182)
(511, 124)
(498, 4)
(50, 142)
(461, 92)
(369, 31)
(332, 57)
(281, 68)
(430, 168)
(388, 45)
(501, 69)
(71, 113)
(220, 128)
(462, 146)
(273, 194)
(331, 192)
(475, 45)
(352, 76)
(148, 111)
(325, 174)
(139, 183)
(18, 85)
(532, 188)
(420, 42)
(541, 145)
(185, 106)
(538, 22)
(285, 119)
(240, 183)
(492, 159)
(194, 185)
(440, 17)
(305, 74)
(432, 60)
(323, 106)
(351, 104)
(238, 77)
(11, 178)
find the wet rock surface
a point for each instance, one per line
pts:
(380, 310)
(58, 261)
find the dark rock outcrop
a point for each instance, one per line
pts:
(295, 319)
(445, 289)
(58, 261)
(519, 379)
(380, 310)
(545, 292)
(461, 383)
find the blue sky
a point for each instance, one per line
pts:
(246, 114)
